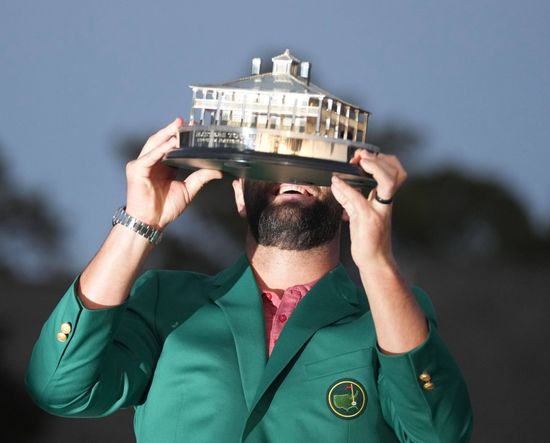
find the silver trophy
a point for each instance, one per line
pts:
(275, 126)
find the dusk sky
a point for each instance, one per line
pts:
(77, 78)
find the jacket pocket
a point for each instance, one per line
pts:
(346, 362)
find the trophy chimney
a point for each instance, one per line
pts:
(304, 70)
(256, 65)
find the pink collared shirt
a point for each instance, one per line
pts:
(277, 310)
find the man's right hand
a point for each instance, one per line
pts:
(155, 197)
(154, 194)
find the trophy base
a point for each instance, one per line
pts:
(277, 168)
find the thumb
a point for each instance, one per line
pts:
(347, 196)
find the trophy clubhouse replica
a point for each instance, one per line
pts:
(275, 126)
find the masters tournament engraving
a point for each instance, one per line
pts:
(347, 398)
(274, 125)
(213, 138)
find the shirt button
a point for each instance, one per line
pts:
(269, 296)
(282, 318)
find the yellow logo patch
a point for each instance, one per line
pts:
(347, 398)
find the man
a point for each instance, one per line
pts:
(280, 347)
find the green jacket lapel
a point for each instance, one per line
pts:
(237, 294)
(331, 299)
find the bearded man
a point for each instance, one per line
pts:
(279, 347)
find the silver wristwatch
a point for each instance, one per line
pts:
(122, 217)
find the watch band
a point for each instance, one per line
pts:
(121, 217)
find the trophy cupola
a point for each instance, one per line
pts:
(285, 64)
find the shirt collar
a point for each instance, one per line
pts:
(297, 290)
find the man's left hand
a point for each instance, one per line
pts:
(370, 220)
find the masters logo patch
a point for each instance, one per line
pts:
(347, 398)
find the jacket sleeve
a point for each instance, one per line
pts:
(90, 363)
(423, 394)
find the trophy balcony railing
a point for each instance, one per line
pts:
(230, 105)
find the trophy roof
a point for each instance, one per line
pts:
(286, 56)
(282, 80)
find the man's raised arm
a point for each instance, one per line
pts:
(154, 197)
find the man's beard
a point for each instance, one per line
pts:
(291, 225)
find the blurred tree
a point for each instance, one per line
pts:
(20, 419)
(452, 214)
(29, 239)
(29, 236)
(400, 139)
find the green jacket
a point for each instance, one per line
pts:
(188, 352)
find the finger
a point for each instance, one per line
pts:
(169, 131)
(387, 172)
(389, 161)
(385, 183)
(152, 157)
(362, 153)
(194, 182)
(350, 199)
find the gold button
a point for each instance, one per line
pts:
(66, 328)
(61, 337)
(425, 377)
(428, 386)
